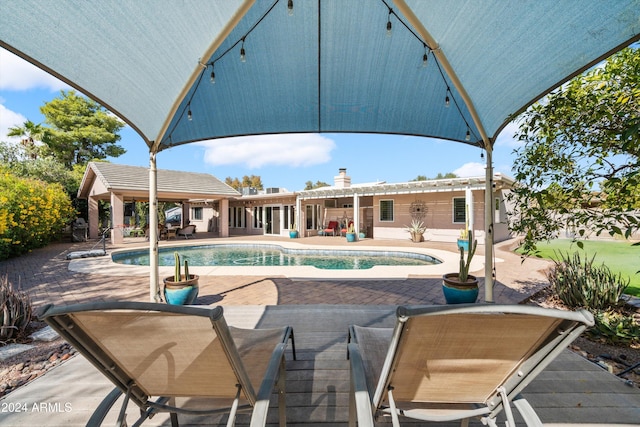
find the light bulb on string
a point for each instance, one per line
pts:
(243, 56)
(482, 154)
(425, 57)
(389, 26)
(447, 101)
(212, 77)
(189, 115)
(467, 137)
(290, 7)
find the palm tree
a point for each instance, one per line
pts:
(30, 133)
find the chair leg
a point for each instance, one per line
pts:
(282, 396)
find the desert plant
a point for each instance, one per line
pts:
(580, 283)
(177, 277)
(615, 327)
(416, 226)
(464, 264)
(15, 311)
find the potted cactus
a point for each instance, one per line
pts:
(181, 289)
(351, 233)
(462, 287)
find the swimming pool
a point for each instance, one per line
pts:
(274, 255)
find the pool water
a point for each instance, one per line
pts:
(272, 255)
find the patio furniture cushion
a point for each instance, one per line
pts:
(441, 363)
(156, 352)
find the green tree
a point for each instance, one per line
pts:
(447, 175)
(579, 166)
(247, 181)
(80, 130)
(310, 185)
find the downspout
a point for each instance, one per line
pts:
(488, 228)
(154, 291)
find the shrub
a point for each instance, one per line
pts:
(15, 311)
(580, 283)
(32, 213)
(615, 327)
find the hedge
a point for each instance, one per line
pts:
(32, 213)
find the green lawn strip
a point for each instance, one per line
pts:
(620, 257)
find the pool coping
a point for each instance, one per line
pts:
(449, 263)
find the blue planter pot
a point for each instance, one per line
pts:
(181, 293)
(293, 234)
(456, 292)
(351, 237)
(463, 244)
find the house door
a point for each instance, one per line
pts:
(272, 220)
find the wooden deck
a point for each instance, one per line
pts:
(571, 390)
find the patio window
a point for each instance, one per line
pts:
(312, 213)
(257, 217)
(386, 210)
(196, 213)
(459, 210)
(289, 216)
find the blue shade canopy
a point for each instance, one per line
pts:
(329, 66)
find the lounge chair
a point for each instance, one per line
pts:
(187, 231)
(444, 364)
(167, 352)
(331, 228)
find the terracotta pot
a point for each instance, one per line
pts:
(183, 292)
(457, 292)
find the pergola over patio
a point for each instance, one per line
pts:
(118, 184)
(180, 72)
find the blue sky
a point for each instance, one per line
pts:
(281, 160)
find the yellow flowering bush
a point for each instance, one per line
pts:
(32, 213)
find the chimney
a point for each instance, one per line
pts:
(342, 180)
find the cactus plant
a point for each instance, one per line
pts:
(464, 264)
(15, 311)
(177, 276)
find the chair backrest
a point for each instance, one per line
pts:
(189, 229)
(332, 225)
(165, 350)
(463, 355)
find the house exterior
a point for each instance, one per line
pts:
(119, 184)
(377, 210)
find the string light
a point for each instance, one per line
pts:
(425, 57)
(482, 154)
(389, 32)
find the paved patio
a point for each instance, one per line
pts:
(571, 390)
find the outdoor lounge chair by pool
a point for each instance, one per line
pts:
(167, 352)
(187, 231)
(443, 364)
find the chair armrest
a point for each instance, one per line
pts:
(275, 374)
(359, 396)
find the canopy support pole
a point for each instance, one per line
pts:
(488, 228)
(153, 229)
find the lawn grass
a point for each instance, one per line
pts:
(620, 257)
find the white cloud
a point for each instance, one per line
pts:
(253, 152)
(471, 169)
(506, 137)
(9, 119)
(18, 74)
